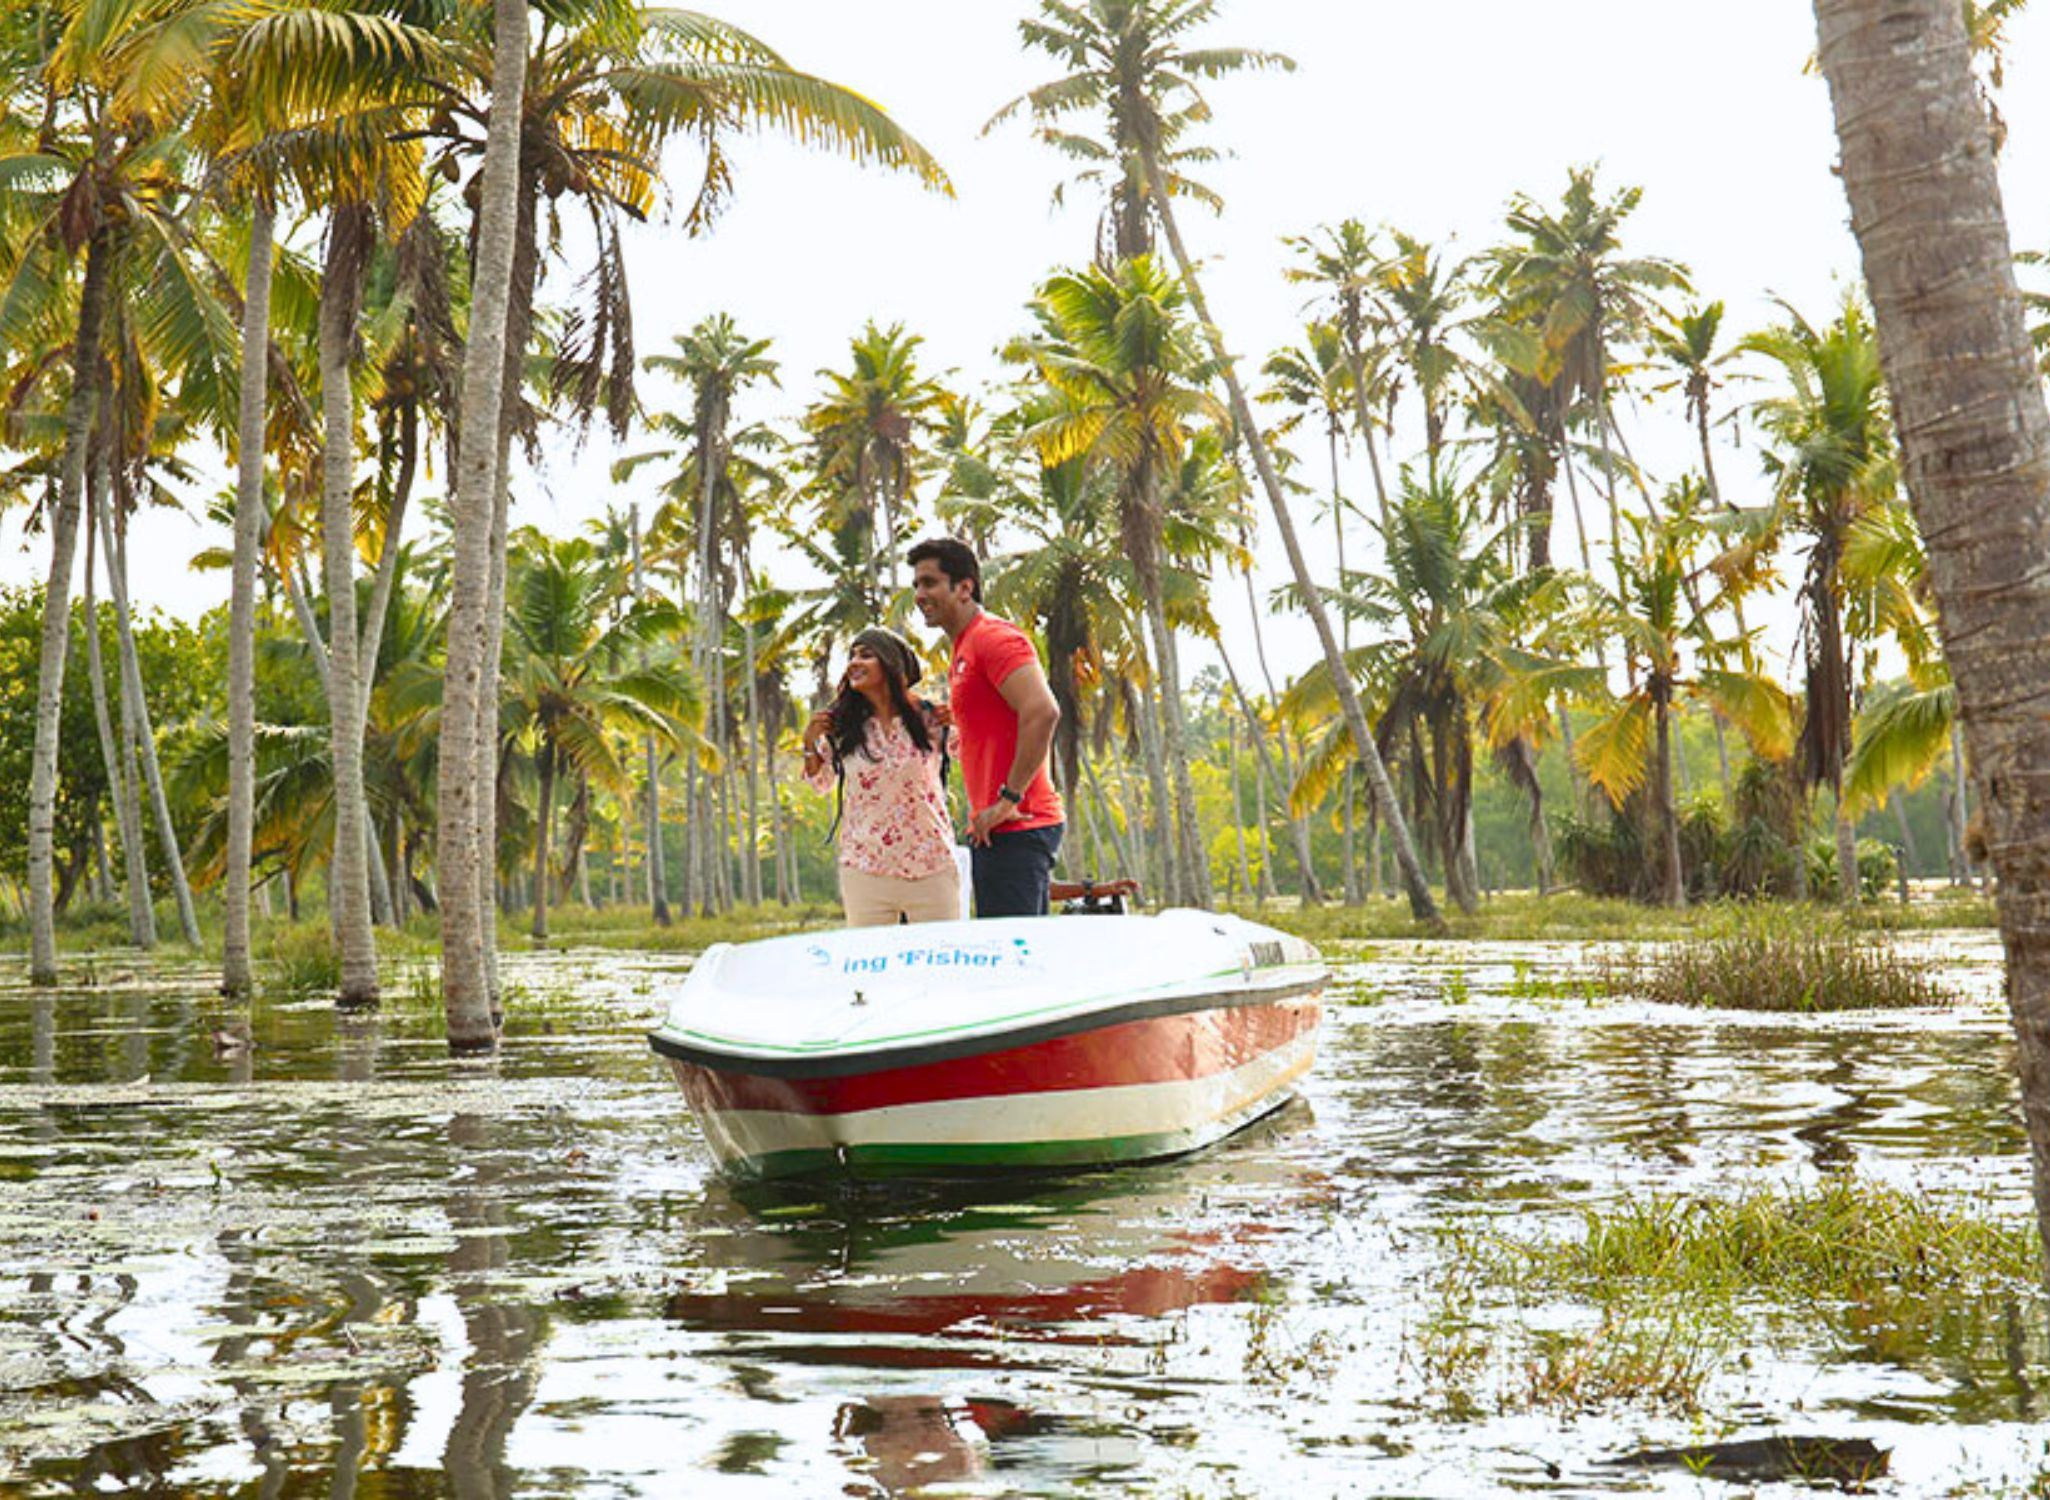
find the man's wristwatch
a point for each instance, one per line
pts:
(1007, 794)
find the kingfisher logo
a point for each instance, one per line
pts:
(952, 957)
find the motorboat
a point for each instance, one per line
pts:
(1018, 1043)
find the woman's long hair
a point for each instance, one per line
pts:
(850, 713)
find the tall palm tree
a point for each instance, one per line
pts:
(870, 431)
(1135, 53)
(1565, 276)
(715, 362)
(1128, 371)
(97, 177)
(611, 84)
(1344, 263)
(1832, 462)
(469, 702)
(1926, 207)
(1315, 380)
(574, 684)
(1652, 618)
(1456, 603)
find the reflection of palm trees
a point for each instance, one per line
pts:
(501, 1373)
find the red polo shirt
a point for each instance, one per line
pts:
(987, 652)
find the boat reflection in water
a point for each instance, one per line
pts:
(918, 1312)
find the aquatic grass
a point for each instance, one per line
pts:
(1843, 1240)
(302, 961)
(1780, 960)
(1652, 1300)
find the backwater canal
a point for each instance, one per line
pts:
(337, 1263)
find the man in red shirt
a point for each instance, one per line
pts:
(1006, 714)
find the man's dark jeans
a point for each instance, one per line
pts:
(1012, 870)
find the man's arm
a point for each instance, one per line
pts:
(1025, 690)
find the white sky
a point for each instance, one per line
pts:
(1425, 116)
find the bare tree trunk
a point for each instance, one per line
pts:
(658, 879)
(1422, 906)
(544, 818)
(1846, 856)
(1910, 855)
(1674, 879)
(236, 976)
(103, 867)
(752, 867)
(1238, 811)
(1167, 849)
(349, 242)
(463, 885)
(142, 916)
(1960, 819)
(131, 673)
(1298, 828)
(1918, 168)
(80, 414)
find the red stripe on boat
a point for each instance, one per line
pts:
(1159, 1049)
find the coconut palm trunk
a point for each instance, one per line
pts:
(658, 882)
(131, 677)
(1298, 828)
(1421, 903)
(1918, 168)
(348, 250)
(142, 915)
(519, 322)
(1153, 750)
(1961, 873)
(751, 868)
(1192, 869)
(236, 976)
(463, 883)
(544, 820)
(79, 415)
(1672, 880)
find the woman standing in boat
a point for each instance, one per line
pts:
(886, 750)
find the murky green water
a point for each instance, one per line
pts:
(338, 1263)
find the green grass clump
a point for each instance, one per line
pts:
(1779, 960)
(1842, 1241)
(1654, 1299)
(303, 961)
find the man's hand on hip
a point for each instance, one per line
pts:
(990, 819)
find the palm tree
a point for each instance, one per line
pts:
(715, 362)
(467, 710)
(1132, 52)
(1566, 280)
(1832, 463)
(1344, 263)
(867, 432)
(1316, 381)
(573, 682)
(1128, 373)
(97, 175)
(1109, 161)
(1926, 206)
(1654, 621)
(610, 86)
(1685, 344)
(1451, 591)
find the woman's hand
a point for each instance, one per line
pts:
(941, 714)
(818, 734)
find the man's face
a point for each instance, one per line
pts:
(939, 599)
